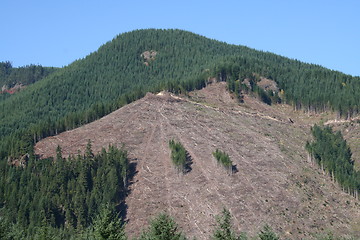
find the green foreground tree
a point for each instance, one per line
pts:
(108, 225)
(163, 227)
(224, 229)
(267, 234)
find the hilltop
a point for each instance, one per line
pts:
(152, 60)
(273, 183)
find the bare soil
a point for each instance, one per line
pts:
(274, 182)
(268, 84)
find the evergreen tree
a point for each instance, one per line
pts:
(88, 152)
(4, 228)
(108, 225)
(59, 153)
(267, 234)
(163, 227)
(224, 229)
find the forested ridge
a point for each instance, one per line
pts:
(10, 76)
(117, 74)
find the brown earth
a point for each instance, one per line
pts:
(267, 84)
(148, 56)
(274, 182)
(12, 90)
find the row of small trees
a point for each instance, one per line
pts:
(180, 158)
(163, 227)
(108, 225)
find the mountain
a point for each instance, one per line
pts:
(272, 181)
(255, 106)
(140, 61)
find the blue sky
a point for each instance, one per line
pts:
(55, 33)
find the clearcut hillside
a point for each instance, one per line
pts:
(273, 182)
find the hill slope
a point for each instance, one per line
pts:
(274, 183)
(115, 69)
(136, 62)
